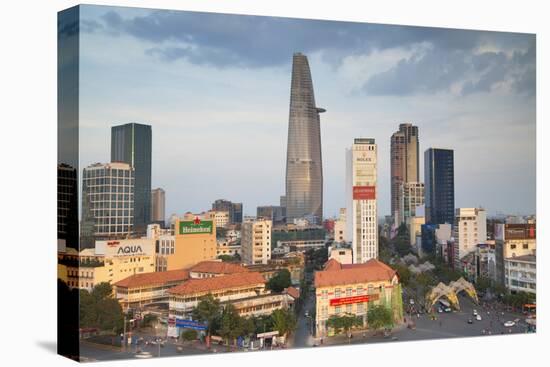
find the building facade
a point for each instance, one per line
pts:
(107, 202)
(411, 196)
(304, 167)
(362, 200)
(404, 150)
(520, 274)
(353, 290)
(235, 210)
(340, 227)
(132, 143)
(439, 185)
(256, 241)
(67, 205)
(470, 229)
(158, 206)
(511, 241)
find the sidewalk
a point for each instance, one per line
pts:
(342, 339)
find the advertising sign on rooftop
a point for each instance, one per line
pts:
(196, 226)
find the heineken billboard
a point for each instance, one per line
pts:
(196, 226)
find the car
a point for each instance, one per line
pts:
(447, 309)
(470, 321)
(411, 301)
(474, 313)
(439, 310)
(143, 355)
(478, 317)
(509, 324)
(306, 314)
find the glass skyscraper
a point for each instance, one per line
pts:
(439, 186)
(304, 169)
(131, 143)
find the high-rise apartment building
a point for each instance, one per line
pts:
(404, 164)
(158, 205)
(439, 186)
(304, 169)
(361, 192)
(470, 229)
(131, 143)
(256, 241)
(107, 202)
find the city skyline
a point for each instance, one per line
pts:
(353, 79)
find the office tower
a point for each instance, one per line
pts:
(256, 241)
(67, 205)
(470, 229)
(439, 186)
(107, 202)
(158, 203)
(361, 192)
(237, 213)
(304, 170)
(411, 196)
(404, 164)
(131, 143)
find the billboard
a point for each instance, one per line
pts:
(364, 192)
(190, 324)
(196, 226)
(125, 248)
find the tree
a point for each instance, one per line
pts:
(344, 323)
(100, 309)
(207, 311)
(280, 281)
(482, 284)
(189, 335)
(380, 317)
(231, 325)
(403, 272)
(284, 321)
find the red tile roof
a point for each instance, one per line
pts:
(293, 292)
(338, 274)
(156, 278)
(206, 285)
(218, 267)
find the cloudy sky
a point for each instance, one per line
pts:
(216, 90)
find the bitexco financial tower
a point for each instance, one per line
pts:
(304, 169)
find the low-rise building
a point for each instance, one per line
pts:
(520, 274)
(293, 262)
(513, 240)
(341, 254)
(144, 289)
(209, 269)
(228, 248)
(354, 288)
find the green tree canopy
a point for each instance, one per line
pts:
(231, 324)
(207, 310)
(344, 322)
(379, 317)
(100, 309)
(284, 321)
(279, 281)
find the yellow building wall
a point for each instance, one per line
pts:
(191, 249)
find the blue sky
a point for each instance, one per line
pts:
(215, 89)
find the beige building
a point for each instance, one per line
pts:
(143, 289)
(352, 289)
(194, 241)
(520, 274)
(158, 203)
(470, 229)
(256, 241)
(512, 241)
(341, 254)
(221, 218)
(411, 196)
(209, 269)
(228, 248)
(110, 262)
(415, 224)
(340, 225)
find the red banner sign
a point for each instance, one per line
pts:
(351, 300)
(364, 192)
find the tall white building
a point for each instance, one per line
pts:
(256, 241)
(411, 196)
(361, 195)
(470, 229)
